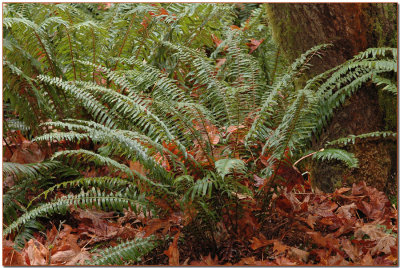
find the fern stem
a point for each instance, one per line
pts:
(125, 38)
(210, 161)
(8, 146)
(205, 129)
(291, 130)
(70, 52)
(295, 163)
(47, 54)
(278, 52)
(94, 52)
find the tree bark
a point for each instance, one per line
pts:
(351, 28)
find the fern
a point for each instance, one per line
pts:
(102, 200)
(351, 139)
(128, 252)
(28, 170)
(226, 166)
(141, 82)
(337, 154)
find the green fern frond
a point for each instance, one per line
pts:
(28, 170)
(261, 128)
(102, 200)
(226, 166)
(114, 183)
(389, 85)
(128, 252)
(351, 139)
(336, 154)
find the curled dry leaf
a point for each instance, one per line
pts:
(350, 250)
(11, 257)
(283, 261)
(279, 247)
(346, 211)
(172, 252)
(260, 242)
(35, 253)
(370, 229)
(206, 261)
(299, 254)
(384, 244)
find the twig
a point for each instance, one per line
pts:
(295, 163)
(55, 238)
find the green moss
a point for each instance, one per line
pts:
(283, 31)
(388, 105)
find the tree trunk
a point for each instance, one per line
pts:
(351, 28)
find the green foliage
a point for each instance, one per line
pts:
(337, 154)
(154, 90)
(351, 139)
(128, 252)
(94, 197)
(226, 166)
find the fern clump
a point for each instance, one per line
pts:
(184, 116)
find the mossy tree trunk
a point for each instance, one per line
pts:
(351, 28)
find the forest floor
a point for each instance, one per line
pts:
(352, 226)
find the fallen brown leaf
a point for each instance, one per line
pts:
(172, 252)
(260, 242)
(384, 244)
(35, 253)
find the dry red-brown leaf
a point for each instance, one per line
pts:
(216, 40)
(284, 204)
(392, 258)
(163, 11)
(345, 226)
(253, 262)
(28, 152)
(232, 129)
(296, 204)
(327, 241)
(259, 181)
(327, 221)
(136, 166)
(260, 242)
(206, 261)
(234, 27)
(383, 260)
(172, 252)
(156, 224)
(11, 257)
(220, 62)
(311, 219)
(35, 253)
(370, 229)
(367, 260)
(337, 260)
(254, 44)
(283, 261)
(325, 209)
(51, 234)
(359, 188)
(61, 257)
(279, 247)
(79, 259)
(298, 254)
(347, 211)
(384, 244)
(247, 224)
(342, 190)
(290, 174)
(264, 160)
(350, 250)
